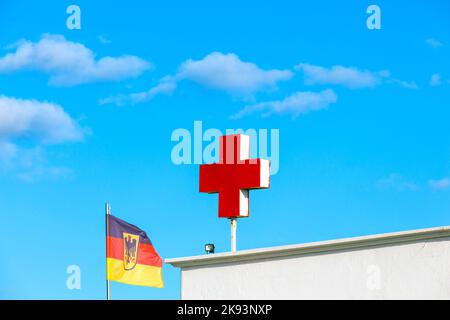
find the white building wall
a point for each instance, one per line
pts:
(414, 269)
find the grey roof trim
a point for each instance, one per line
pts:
(313, 247)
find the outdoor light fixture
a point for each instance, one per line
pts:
(209, 248)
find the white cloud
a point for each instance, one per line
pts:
(40, 173)
(219, 71)
(165, 86)
(44, 122)
(161, 88)
(296, 104)
(119, 100)
(434, 43)
(70, 63)
(26, 126)
(349, 77)
(435, 80)
(16, 158)
(440, 184)
(8, 151)
(226, 72)
(339, 75)
(397, 182)
(103, 40)
(404, 84)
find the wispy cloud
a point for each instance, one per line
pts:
(45, 173)
(165, 86)
(397, 182)
(296, 104)
(103, 40)
(403, 84)
(434, 43)
(26, 127)
(44, 122)
(70, 63)
(350, 77)
(217, 71)
(435, 80)
(339, 75)
(439, 184)
(227, 72)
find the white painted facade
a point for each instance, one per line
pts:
(403, 265)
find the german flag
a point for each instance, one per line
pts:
(130, 255)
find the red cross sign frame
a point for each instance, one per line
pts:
(234, 176)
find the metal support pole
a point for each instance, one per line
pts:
(233, 234)
(108, 287)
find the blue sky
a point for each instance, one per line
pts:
(86, 116)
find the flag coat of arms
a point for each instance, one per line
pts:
(130, 255)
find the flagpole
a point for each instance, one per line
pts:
(108, 287)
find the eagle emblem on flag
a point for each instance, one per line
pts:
(130, 250)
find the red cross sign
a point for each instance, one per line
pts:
(234, 176)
